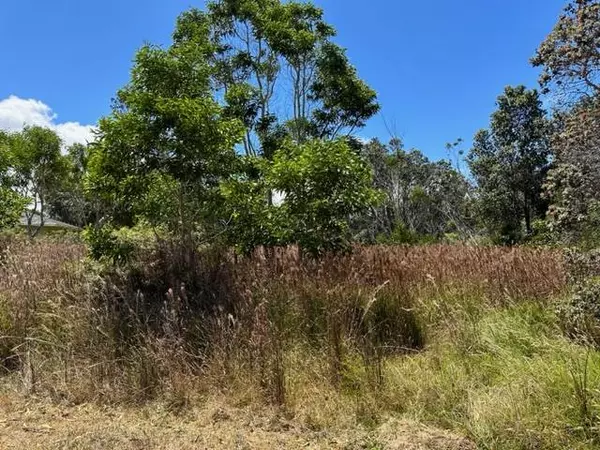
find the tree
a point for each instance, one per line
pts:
(570, 59)
(322, 183)
(37, 168)
(12, 205)
(167, 153)
(258, 43)
(573, 184)
(422, 197)
(570, 55)
(509, 163)
(163, 151)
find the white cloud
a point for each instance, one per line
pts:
(17, 112)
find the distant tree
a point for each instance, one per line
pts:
(69, 202)
(37, 169)
(509, 163)
(424, 198)
(570, 55)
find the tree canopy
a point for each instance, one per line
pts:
(509, 161)
(245, 131)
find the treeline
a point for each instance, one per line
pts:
(243, 131)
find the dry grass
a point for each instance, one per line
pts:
(212, 424)
(461, 338)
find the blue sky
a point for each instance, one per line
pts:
(437, 65)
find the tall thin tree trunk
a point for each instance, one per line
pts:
(527, 215)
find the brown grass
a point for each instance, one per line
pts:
(172, 313)
(211, 424)
(320, 338)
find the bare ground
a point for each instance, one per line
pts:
(37, 424)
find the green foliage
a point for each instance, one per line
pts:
(580, 313)
(120, 245)
(570, 55)
(401, 234)
(347, 101)
(252, 220)
(509, 163)
(11, 207)
(322, 184)
(542, 234)
(580, 310)
(167, 145)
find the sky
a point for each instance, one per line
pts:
(437, 65)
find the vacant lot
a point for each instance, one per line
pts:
(389, 347)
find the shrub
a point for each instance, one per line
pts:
(119, 245)
(580, 313)
(581, 265)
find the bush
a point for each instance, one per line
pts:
(581, 265)
(119, 245)
(401, 234)
(580, 313)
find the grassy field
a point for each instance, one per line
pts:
(389, 347)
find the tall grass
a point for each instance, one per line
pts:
(463, 337)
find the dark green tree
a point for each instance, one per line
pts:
(509, 163)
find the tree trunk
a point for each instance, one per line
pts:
(527, 216)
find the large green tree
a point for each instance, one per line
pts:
(171, 151)
(509, 162)
(166, 146)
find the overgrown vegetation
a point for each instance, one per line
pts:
(279, 261)
(462, 338)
